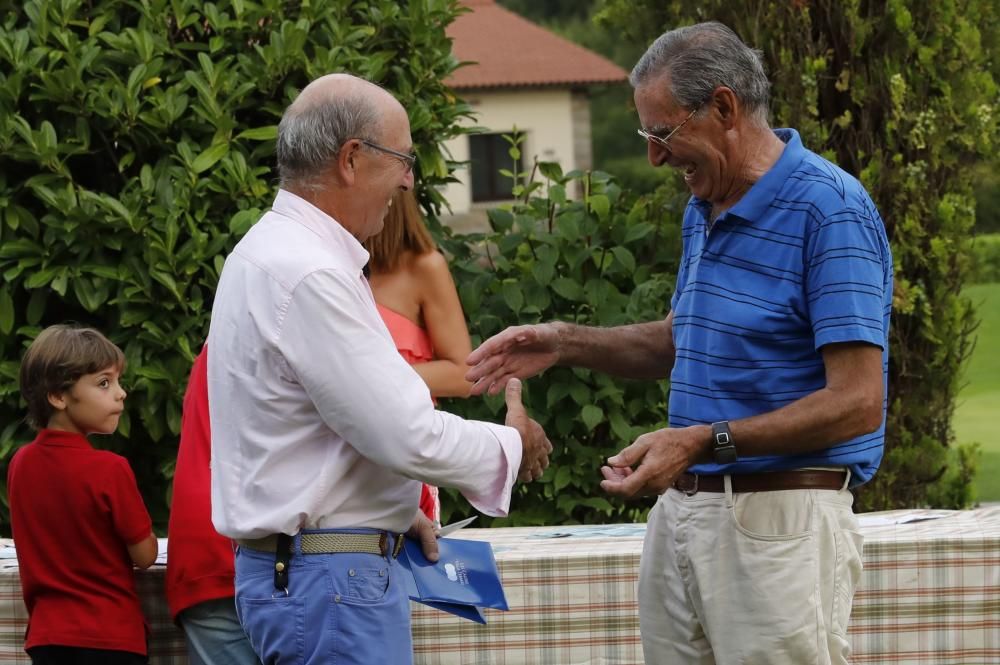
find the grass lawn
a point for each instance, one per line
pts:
(979, 400)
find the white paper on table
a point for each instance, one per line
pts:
(882, 519)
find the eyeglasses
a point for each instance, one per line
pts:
(664, 141)
(408, 159)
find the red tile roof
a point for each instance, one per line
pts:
(511, 51)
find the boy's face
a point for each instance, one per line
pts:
(92, 405)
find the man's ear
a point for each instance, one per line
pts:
(345, 168)
(58, 401)
(726, 106)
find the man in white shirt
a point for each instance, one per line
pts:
(321, 432)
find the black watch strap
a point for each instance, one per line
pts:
(723, 448)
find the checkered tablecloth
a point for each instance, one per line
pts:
(930, 595)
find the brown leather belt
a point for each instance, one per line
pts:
(804, 479)
(331, 543)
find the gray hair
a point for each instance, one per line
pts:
(700, 58)
(312, 132)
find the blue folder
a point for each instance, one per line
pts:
(464, 579)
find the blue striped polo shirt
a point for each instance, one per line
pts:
(801, 261)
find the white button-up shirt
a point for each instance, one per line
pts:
(317, 421)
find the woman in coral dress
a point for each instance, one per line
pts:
(416, 297)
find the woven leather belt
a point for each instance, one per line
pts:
(811, 479)
(330, 543)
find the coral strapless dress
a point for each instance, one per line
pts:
(414, 344)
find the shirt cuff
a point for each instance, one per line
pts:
(495, 499)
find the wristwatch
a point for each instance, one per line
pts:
(723, 449)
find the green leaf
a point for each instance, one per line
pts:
(567, 288)
(6, 311)
(268, 133)
(592, 416)
(153, 371)
(638, 232)
(624, 257)
(551, 170)
(543, 272)
(36, 306)
(41, 278)
(513, 296)
(563, 477)
(208, 158)
(600, 204)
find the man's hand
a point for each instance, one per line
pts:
(651, 464)
(535, 445)
(424, 531)
(518, 352)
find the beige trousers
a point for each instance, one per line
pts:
(749, 579)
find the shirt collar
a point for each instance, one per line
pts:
(327, 228)
(754, 204)
(62, 438)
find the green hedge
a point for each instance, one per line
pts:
(136, 146)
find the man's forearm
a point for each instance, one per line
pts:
(815, 422)
(639, 351)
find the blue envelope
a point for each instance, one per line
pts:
(463, 580)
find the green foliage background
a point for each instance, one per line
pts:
(606, 258)
(904, 95)
(136, 146)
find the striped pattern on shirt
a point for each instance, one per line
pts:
(801, 261)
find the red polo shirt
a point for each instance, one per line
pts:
(199, 560)
(74, 510)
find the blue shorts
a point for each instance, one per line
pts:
(340, 608)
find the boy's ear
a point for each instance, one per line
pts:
(58, 401)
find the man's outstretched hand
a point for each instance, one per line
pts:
(518, 352)
(535, 445)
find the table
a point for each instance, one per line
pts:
(929, 595)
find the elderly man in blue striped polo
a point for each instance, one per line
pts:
(776, 346)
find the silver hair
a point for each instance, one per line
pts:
(700, 58)
(311, 134)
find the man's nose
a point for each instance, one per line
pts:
(656, 153)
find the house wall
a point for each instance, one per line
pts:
(551, 120)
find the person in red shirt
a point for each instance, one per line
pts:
(78, 519)
(200, 570)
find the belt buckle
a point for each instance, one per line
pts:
(681, 481)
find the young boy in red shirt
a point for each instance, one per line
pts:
(79, 522)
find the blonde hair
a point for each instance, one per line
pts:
(404, 231)
(58, 357)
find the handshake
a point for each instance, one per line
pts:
(517, 352)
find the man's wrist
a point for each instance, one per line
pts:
(562, 333)
(702, 451)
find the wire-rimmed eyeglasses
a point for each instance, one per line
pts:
(408, 159)
(664, 141)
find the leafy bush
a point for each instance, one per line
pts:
(604, 259)
(986, 259)
(136, 145)
(903, 95)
